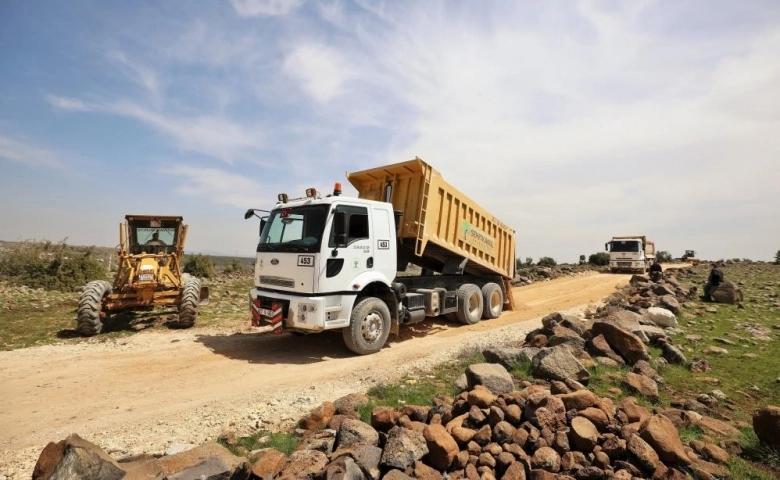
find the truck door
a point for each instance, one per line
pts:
(343, 264)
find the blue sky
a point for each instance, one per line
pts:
(572, 121)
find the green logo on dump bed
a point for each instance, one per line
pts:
(477, 238)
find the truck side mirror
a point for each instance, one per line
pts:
(249, 214)
(340, 229)
(606, 247)
(263, 221)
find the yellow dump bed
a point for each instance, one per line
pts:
(438, 222)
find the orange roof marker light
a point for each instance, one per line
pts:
(337, 189)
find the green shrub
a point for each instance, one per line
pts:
(663, 256)
(51, 267)
(777, 258)
(546, 262)
(599, 259)
(200, 266)
(233, 266)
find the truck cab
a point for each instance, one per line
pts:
(630, 254)
(316, 255)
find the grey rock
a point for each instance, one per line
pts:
(558, 363)
(403, 448)
(492, 376)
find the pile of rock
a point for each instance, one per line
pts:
(528, 275)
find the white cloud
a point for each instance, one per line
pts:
(320, 70)
(210, 135)
(26, 154)
(65, 103)
(257, 8)
(141, 74)
(218, 186)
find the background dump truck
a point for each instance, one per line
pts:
(630, 254)
(333, 262)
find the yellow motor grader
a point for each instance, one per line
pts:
(150, 255)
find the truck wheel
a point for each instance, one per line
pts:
(469, 304)
(493, 300)
(190, 299)
(369, 326)
(90, 304)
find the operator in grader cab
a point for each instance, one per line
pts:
(155, 241)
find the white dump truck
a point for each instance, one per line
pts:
(633, 253)
(336, 262)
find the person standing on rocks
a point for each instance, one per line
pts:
(656, 271)
(715, 279)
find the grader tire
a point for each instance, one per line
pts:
(88, 321)
(190, 299)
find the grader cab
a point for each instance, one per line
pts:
(149, 274)
(690, 256)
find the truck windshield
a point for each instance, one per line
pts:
(624, 246)
(296, 229)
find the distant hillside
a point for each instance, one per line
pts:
(107, 255)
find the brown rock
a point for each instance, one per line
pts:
(538, 341)
(766, 424)
(596, 416)
(269, 463)
(635, 412)
(319, 417)
(348, 404)
(176, 463)
(644, 453)
(625, 343)
(661, 434)
(641, 384)
(599, 347)
(580, 400)
(463, 435)
(442, 447)
(424, 472)
(481, 397)
(718, 428)
(547, 459)
(715, 453)
(515, 471)
(583, 435)
(383, 418)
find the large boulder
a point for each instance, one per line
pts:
(727, 292)
(625, 343)
(661, 317)
(766, 423)
(660, 433)
(75, 457)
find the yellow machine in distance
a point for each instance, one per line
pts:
(149, 274)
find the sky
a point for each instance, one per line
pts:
(571, 121)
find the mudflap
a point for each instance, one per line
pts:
(204, 296)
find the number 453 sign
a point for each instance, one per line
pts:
(383, 244)
(305, 260)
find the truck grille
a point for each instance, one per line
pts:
(624, 264)
(277, 281)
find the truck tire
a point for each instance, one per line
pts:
(369, 326)
(493, 301)
(470, 304)
(88, 321)
(190, 299)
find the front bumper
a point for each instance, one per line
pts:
(291, 312)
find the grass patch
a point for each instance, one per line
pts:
(281, 441)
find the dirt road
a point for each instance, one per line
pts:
(140, 393)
